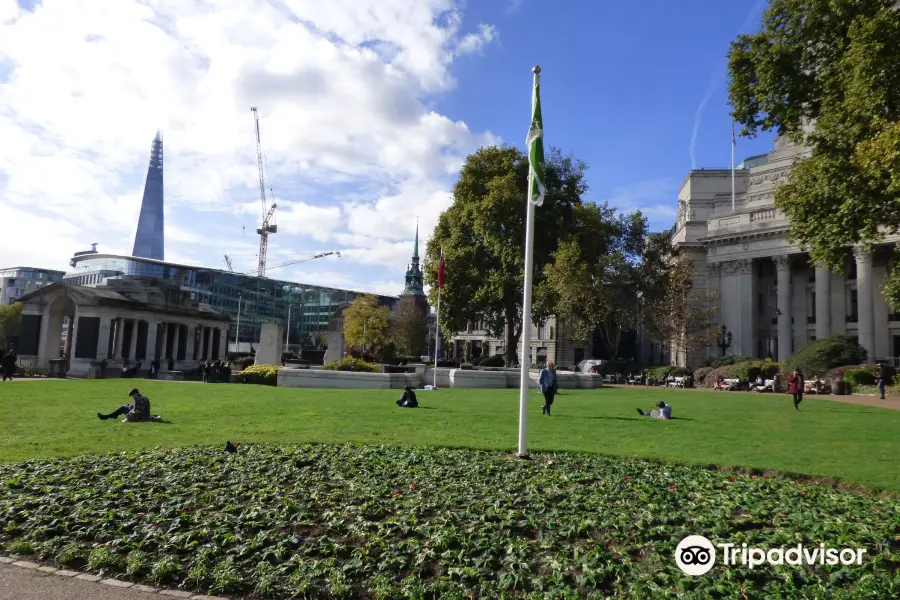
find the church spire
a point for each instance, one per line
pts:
(414, 276)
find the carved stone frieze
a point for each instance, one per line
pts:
(771, 176)
(713, 269)
(737, 267)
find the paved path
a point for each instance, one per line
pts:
(23, 583)
(891, 402)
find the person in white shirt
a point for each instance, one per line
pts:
(664, 411)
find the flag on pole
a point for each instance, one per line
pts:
(733, 138)
(535, 143)
(441, 271)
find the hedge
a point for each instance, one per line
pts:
(260, 375)
(724, 361)
(826, 353)
(352, 364)
(492, 361)
(745, 371)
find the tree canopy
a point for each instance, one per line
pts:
(365, 322)
(826, 73)
(10, 320)
(597, 273)
(483, 237)
(409, 330)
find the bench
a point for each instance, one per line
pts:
(811, 387)
(675, 382)
(767, 386)
(730, 384)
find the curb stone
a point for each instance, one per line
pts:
(24, 564)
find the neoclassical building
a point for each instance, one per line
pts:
(770, 297)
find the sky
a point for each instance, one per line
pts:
(367, 109)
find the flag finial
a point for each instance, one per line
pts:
(536, 70)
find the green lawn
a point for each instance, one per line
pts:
(853, 444)
(289, 519)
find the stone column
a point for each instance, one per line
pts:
(866, 324)
(165, 341)
(204, 342)
(151, 341)
(189, 347)
(120, 329)
(823, 301)
(103, 338)
(223, 344)
(783, 269)
(132, 350)
(713, 286)
(738, 301)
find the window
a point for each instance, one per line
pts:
(542, 333)
(854, 304)
(762, 304)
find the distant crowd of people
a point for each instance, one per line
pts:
(215, 372)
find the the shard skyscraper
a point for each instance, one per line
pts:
(149, 242)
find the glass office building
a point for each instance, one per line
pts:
(261, 300)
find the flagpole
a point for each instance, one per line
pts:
(524, 378)
(733, 144)
(437, 326)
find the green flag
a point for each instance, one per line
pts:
(535, 143)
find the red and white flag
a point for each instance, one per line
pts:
(441, 271)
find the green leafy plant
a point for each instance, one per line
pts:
(350, 521)
(350, 363)
(260, 375)
(826, 353)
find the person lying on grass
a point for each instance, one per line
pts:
(408, 399)
(664, 411)
(139, 410)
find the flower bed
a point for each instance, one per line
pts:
(385, 522)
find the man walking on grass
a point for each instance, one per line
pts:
(548, 385)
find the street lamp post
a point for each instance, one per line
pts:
(723, 339)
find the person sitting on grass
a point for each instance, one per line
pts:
(139, 410)
(664, 411)
(408, 399)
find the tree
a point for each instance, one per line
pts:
(681, 317)
(365, 322)
(826, 73)
(596, 274)
(409, 330)
(10, 320)
(483, 238)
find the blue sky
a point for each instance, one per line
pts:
(368, 108)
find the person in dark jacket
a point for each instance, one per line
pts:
(882, 376)
(547, 383)
(138, 410)
(408, 399)
(204, 370)
(795, 387)
(9, 365)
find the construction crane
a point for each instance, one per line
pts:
(228, 262)
(266, 226)
(302, 260)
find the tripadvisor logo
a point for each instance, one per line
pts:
(696, 555)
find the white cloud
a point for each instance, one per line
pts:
(474, 42)
(655, 198)
(343, 89)
(386, 288)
